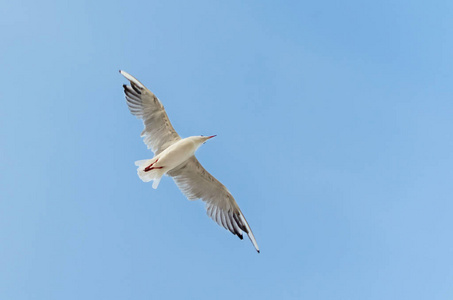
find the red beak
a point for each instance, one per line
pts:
(210, 137)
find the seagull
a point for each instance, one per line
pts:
(175, 157)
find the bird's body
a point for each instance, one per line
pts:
(168, 159)
(175, 157)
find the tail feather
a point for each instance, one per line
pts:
(143, 162)
(156, 182)
(155, 174)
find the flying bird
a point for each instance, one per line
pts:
(175, 157)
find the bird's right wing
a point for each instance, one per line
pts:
(158, 133)
(197, 183)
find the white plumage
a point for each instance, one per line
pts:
(175, 157)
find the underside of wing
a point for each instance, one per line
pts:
(197, 183)
(158, 133)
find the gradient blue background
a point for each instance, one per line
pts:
(335, 135)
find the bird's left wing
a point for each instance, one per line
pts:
(197, 183)
(158, 133)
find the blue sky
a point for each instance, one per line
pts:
(335, 135)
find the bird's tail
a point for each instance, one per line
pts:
(147, 176)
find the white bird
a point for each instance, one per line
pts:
(175, 157)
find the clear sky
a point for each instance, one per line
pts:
(335, 135)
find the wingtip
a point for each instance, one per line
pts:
(132, 79)
(249, 232)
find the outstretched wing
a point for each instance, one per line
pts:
(158, 133)
(196, 183)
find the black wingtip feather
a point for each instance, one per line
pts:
(136, 88)
(240, 223)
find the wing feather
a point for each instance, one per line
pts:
(197, 183)
(158, 133)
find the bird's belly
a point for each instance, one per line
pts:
(175, 155)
